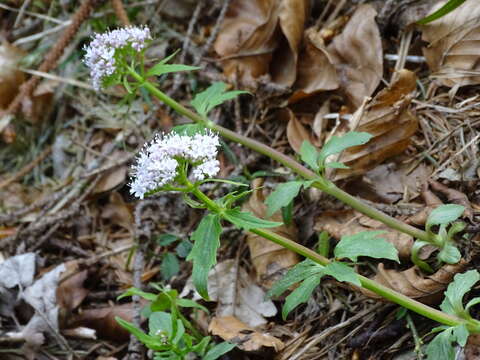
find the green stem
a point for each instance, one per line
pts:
(367, 283)
(320, 183)
(323, 185)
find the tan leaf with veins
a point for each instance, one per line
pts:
(296, 132)
(388, 118)
(247, 38)
(236, 294)
(292, 17)
(316, 71)
(260, 37)
(453, 53)
(231, 329)
(358, 55)
(414, 284)
(269, 259)
(10, 77)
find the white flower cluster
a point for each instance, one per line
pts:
(157, 164)
(100, 56)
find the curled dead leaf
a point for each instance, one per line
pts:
(247, 338)
(247, 38)
(453, 52)
(316, 71)
(118, 212)
(262, 37)
(349, 222)
(269, 259)
(10, 77)
(358, 55)
(414, 284)
(296, 132)
(112, 178)
(389, 120)
(292, 17)
(236, 294)
(103, 321)
(391, 182)
(454, 196)
(431, 201)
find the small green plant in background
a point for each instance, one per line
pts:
(170, 335)
(183, 160)
(170, 264)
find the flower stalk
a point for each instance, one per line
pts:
(367, 283)
(320, 183)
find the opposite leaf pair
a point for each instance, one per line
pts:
(309, 273)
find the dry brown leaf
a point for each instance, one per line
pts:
(236, 293)
(70, 292)
(269, 259)
(10, 77)
(349, 222)
(431, 202)
(389, 120)
(315, 69)
(472, 348)
(247, 338)
(112, 178)
(454, 196)
(260, 37)
(103, 321)
(454, 45)
(292, 17)
(389, 183)
(39, 105)
(118, 212)
(296, 132)
(247, 38)
(414, 284)
(358, 55)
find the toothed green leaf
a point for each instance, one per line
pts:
(213, 96)
(365, 243)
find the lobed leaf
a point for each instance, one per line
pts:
(461, 284)
(160, 322)
(365, 243)
(309, 155)
(213, 96)
(282, 196)
(160, 69)
(301, 294)
(337, 144)
(169, 266)
(445, 214)
(342, 272)
(450, 254)
(204, 252)
(441, 346)
(135, 291)
(299, 272)
(246, 220)
(218, 350)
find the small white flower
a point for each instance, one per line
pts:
(207, 169)
(100, 53)
(158, 162)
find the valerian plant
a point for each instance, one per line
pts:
(183, 160)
